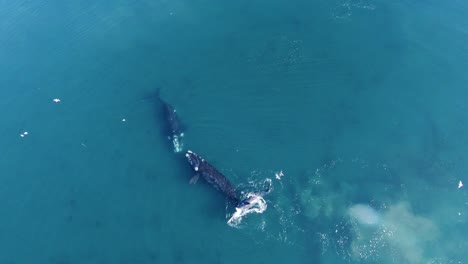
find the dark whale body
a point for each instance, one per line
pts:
(212, 176)
(170, 114)
(174, 126)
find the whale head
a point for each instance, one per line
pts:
(194, 160)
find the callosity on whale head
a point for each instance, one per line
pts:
(194, 160)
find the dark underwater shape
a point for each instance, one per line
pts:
(212, 176)
(174, 126)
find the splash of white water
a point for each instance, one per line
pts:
(256, 205)
(178, 145)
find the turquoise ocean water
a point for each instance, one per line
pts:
(361, 104)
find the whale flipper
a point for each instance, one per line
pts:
(194, 179)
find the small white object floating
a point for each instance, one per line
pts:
(123, 119)
(56, 100)
(279, 174)
(460, 184)
(24, 134)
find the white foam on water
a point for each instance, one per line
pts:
(257, 205)
(397, 234)
(364, 214)
(177, 144)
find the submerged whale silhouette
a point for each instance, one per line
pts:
(174, 126)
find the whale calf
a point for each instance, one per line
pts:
(174, 126)
(211, 175)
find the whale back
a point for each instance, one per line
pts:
(211, 175)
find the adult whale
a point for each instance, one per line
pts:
(174, 126)
(212, 176)
(251, 203)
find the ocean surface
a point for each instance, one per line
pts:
(362, 105)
